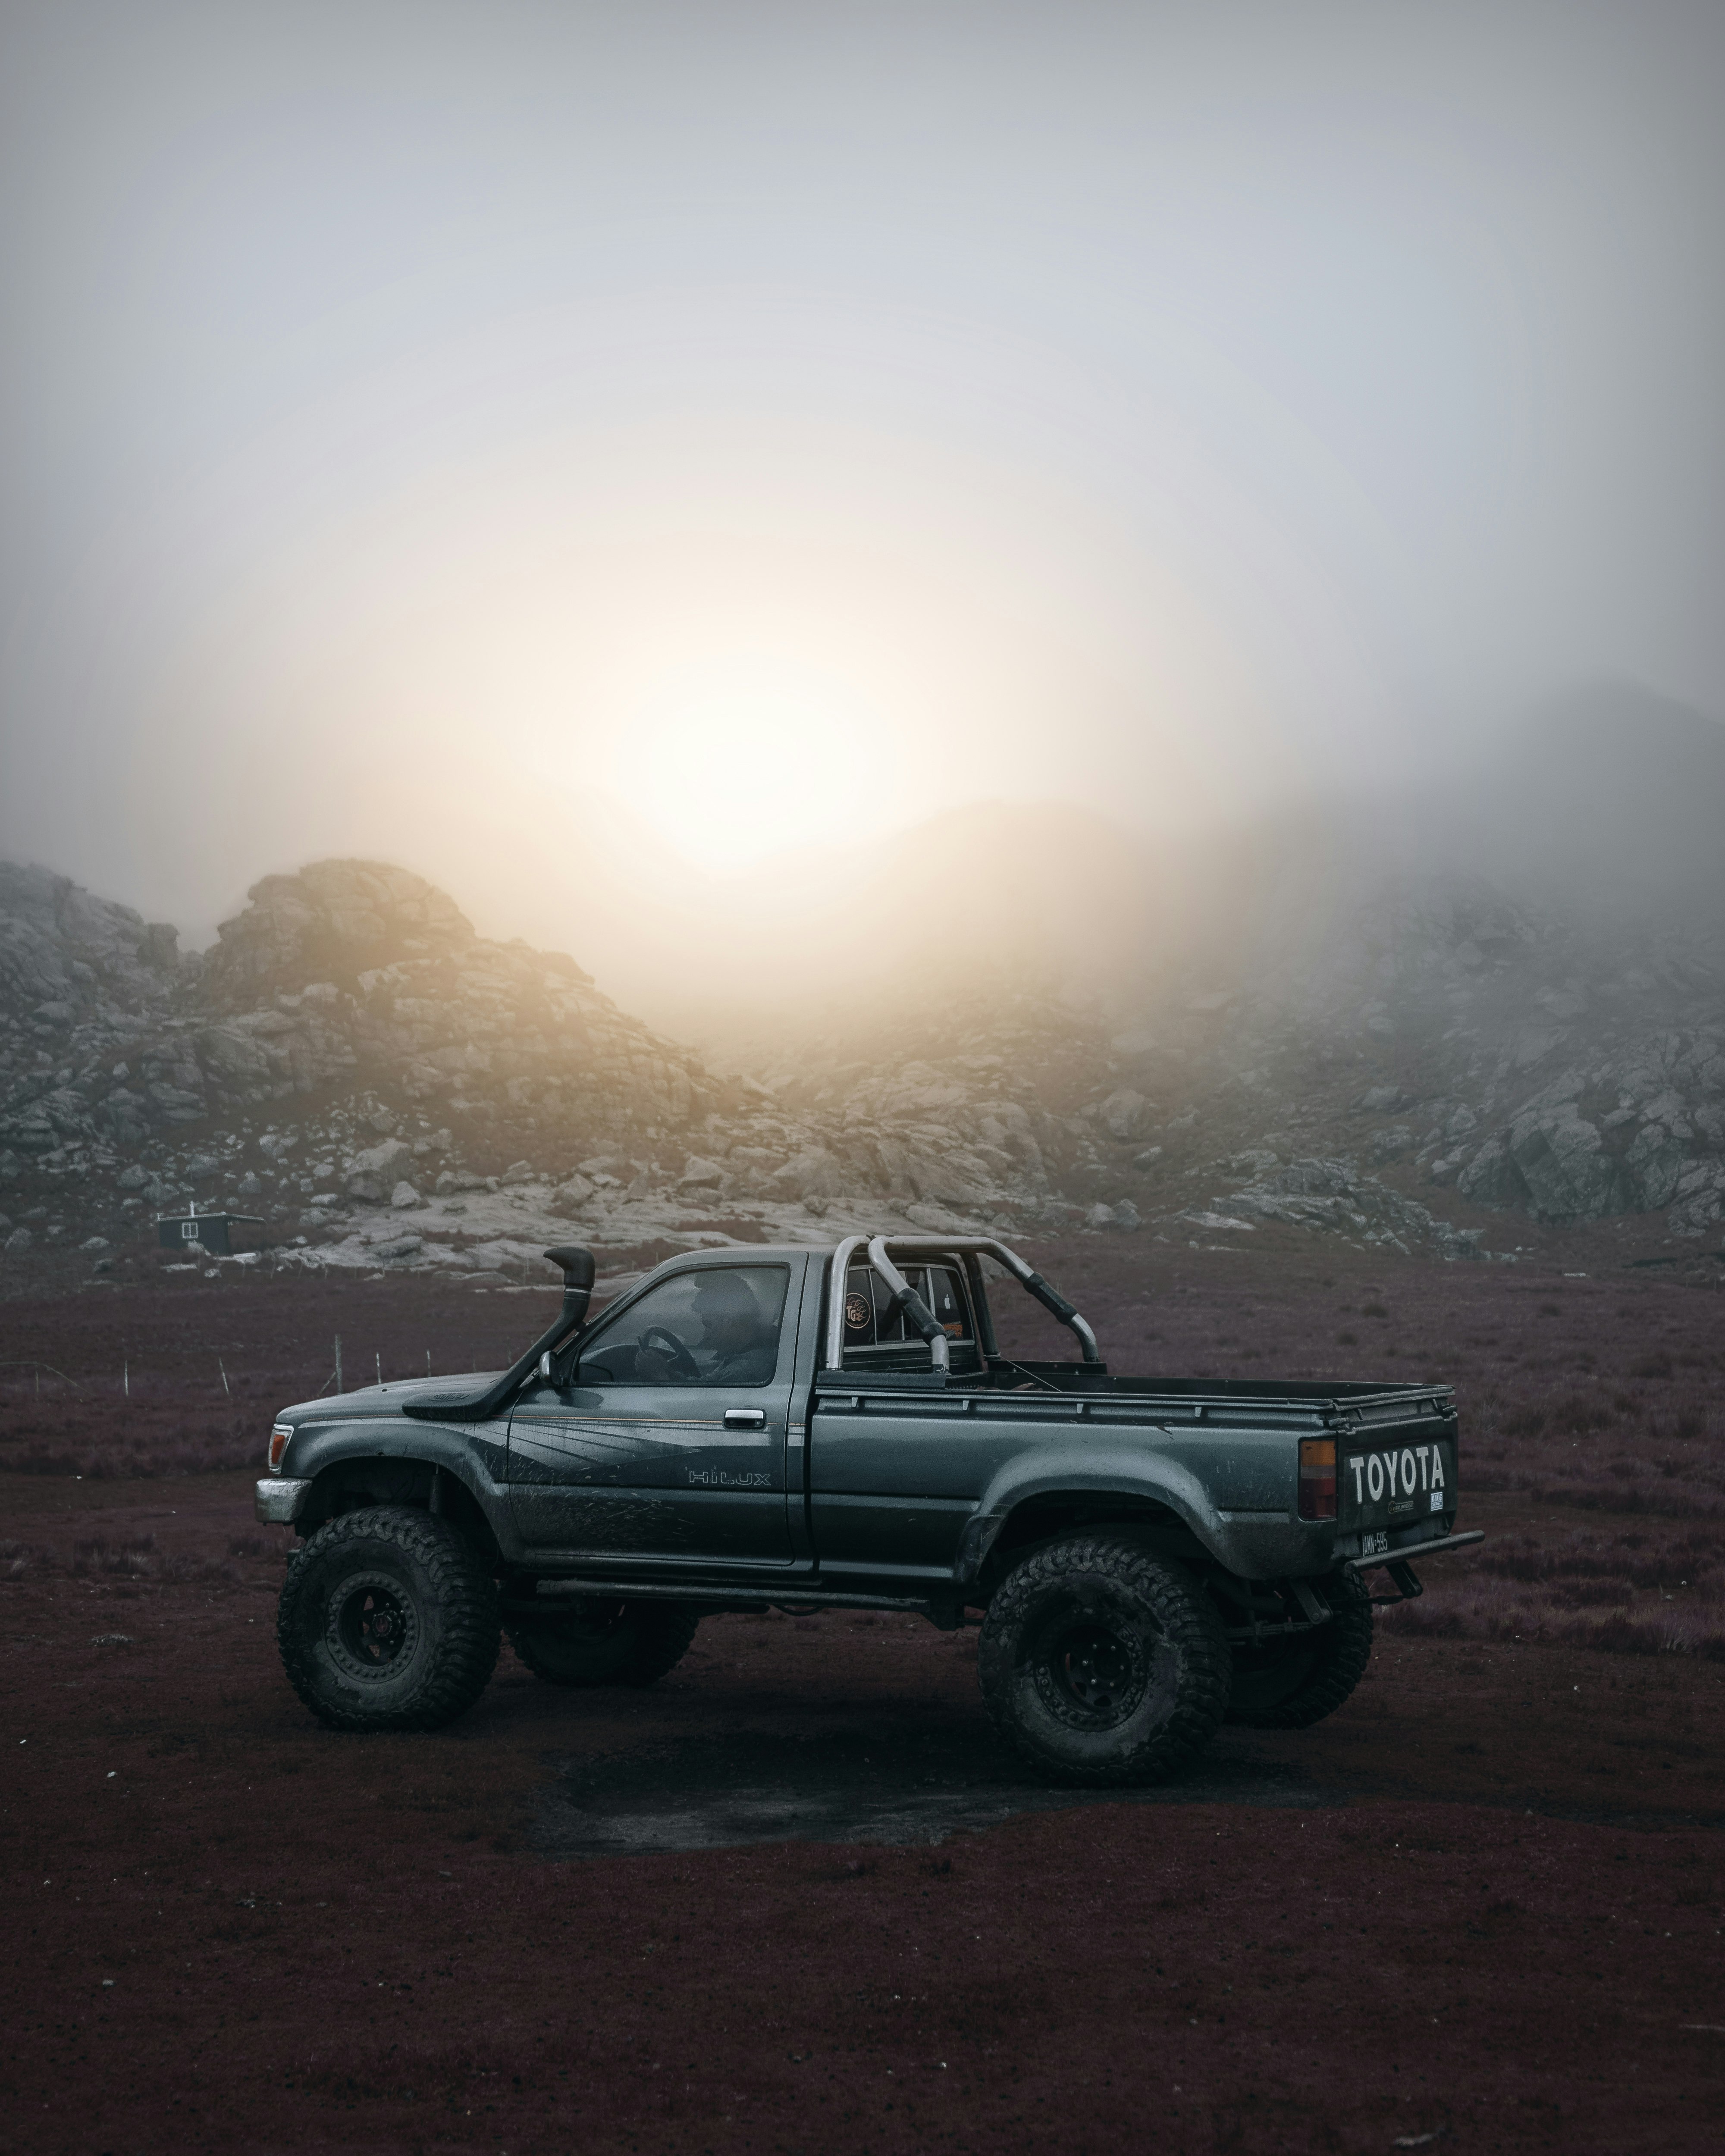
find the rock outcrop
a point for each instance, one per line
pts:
(1433, 1064)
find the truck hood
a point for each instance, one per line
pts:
(390, 1398)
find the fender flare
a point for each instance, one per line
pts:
(324, 1450)
(1082, 1470)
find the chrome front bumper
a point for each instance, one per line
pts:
(280, 1501)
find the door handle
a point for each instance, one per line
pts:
(745, 1417)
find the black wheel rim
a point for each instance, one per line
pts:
(373, 1627)
(1096, 1670)
(1093, 1668)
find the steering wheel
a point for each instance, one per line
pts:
(659, 1340)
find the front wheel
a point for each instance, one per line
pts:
(1291, 1682)
(1101, 1664)
(388, 1620)
(592, 1640)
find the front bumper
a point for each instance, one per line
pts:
(281, 1501)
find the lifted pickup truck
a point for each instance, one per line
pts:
(812, 1428)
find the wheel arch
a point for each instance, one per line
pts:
(1035, 1498)
(1042, 1516)
(357, 1481)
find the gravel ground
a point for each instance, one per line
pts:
(793, 1898)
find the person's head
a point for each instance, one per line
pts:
(730, 1320)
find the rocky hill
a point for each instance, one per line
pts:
(1394, 1051)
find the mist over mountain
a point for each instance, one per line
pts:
(1439, 1024)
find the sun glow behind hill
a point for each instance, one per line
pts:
(760, 633)
(738, 760)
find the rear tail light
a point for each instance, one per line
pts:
(1317, 1478)
(278, 1444)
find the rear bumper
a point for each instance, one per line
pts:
(1413, 1550)
(279, 1501)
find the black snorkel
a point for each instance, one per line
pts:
(578, 1267)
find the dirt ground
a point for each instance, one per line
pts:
(795, 1899)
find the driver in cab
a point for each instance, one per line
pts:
(736, 1347)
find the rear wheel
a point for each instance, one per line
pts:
(596, 1641)
(1292, 1682)
(1103, 1665)
(388, 1620)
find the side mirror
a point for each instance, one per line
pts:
(545, 1366)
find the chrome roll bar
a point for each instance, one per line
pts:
(882, 1250)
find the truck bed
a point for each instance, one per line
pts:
(1182, 1398)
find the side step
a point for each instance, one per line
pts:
(946, 1612)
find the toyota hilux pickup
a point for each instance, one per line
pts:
(808, 1429)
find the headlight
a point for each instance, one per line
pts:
(278, 1444)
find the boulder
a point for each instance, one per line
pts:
(812, 1174)
(569, 1198)
(1569, 1174)
(1123, 1113)
(374, 1173)
(18, 1242)
(404, 1198)
(1491, 1177)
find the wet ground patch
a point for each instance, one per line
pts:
(892, 1780)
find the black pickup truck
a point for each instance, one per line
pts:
(840, 1428)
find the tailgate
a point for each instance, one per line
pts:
(1395, 1477)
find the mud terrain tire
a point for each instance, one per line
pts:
(1102, 1665)
(1296, 1681)
(389, 1621)
(599, 1642)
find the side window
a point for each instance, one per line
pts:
(718, 1326)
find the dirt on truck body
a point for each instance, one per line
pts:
(802, 1428)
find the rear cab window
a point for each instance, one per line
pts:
(875, 1334)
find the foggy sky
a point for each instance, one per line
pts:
(1163, 409)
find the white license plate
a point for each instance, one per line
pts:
(1374, 1545)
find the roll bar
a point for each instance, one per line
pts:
(882, 1250)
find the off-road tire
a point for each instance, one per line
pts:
(600, 1642)
(1300, 1680)
(389, 1621)
(1102, 1665)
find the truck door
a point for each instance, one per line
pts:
(669, 1441)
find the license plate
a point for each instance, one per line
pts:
(1374, 1545)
